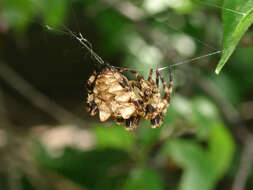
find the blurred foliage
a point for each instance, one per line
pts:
(121, 159)
(115, 138)
(202, 168)
(19, 13)
(96, 169)
(195, 148)
(143, 178)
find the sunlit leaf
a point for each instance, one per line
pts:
(237, 17)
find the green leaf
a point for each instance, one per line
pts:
(237, 17)
(198, 171)
(187, 154)
(143, 178)
(20, 13)
(114, 137)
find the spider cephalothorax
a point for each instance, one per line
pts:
(112, 95)
(154, 105)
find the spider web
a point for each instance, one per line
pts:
(83, 40)
(85, 43)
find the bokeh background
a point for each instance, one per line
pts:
(47, 139)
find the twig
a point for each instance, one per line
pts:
(36, 97)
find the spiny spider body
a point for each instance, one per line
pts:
(112, 95)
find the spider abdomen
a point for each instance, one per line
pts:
(113, 95)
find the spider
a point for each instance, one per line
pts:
(113, 95)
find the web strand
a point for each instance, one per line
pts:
(191, 60)
(220, 7)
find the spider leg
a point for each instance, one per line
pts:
(135, 84)
(119, 121)
(132, 122)
(157, 121)
(91, 82)
(92, 108)
(157, 78)
(150, 76)
(167, 90)
(123, 83)
(137, 75)
(91, 105)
